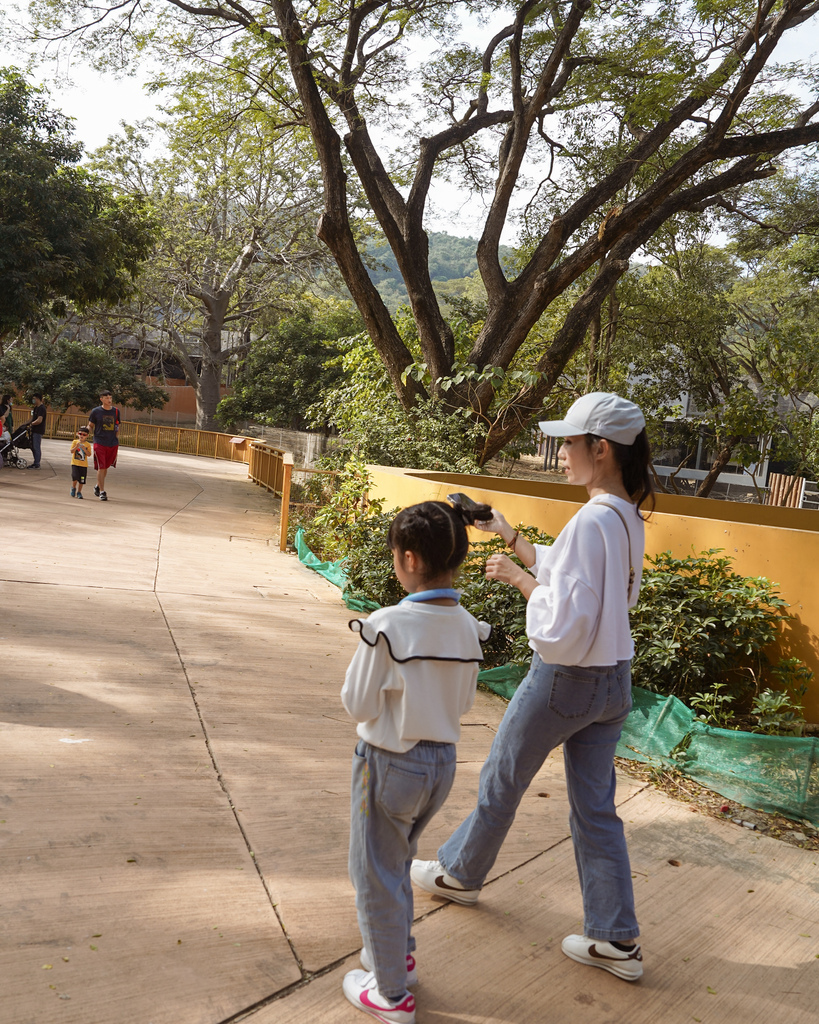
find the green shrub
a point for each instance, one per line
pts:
(499, 604)
(332, 511)
(700, 628)
(369, 565)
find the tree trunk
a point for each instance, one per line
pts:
(208, 395)
(717, 466)
(208, 385)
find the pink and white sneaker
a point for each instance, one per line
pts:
(367, 964)
(361, 988)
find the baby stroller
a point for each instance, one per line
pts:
(9, 452)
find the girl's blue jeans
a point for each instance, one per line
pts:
(394, 796)
(584, 709)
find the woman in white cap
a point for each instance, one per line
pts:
(578, 689)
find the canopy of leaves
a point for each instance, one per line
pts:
(63, 234)
(287, 371)
(72, 373)
(602, 121)
(235, 193)
(375, 428)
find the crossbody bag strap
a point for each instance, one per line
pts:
(631, 573)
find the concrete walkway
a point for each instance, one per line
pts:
(173, 803)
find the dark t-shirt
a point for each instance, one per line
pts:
(105, 422)
(39, 410)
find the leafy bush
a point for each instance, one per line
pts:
(373, 426)
(333, 515)
(778, 713)
(700, 628)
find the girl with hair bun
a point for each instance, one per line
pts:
(413, 675)
(578, 690)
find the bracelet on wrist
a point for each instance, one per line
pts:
(511, 544)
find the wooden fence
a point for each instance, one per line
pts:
(272, 469)
(785, 490)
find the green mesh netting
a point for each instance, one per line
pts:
(771, 773)
(334, 572)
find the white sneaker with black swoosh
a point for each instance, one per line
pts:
(431, 877)
(626, 964)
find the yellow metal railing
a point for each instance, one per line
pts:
(272, 469)
(179, 440)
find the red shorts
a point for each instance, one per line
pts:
(105, 455)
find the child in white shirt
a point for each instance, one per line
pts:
(412, 677)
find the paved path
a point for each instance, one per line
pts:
(173, 800)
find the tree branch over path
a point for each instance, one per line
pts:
(639, 118)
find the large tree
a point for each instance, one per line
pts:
(235, 194)
(64, 236)
(605, 121)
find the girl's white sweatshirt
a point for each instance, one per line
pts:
(579, 613)
(413, 674)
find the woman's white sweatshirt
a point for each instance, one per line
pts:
(579, 613)
(413, 674)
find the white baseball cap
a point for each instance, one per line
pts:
(600, 413)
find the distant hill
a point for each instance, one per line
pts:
(450, 259)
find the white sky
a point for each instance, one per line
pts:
(98, 103)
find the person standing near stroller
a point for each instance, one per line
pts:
(104, 421)
(578, 689)
(5, 419)
(37, 422)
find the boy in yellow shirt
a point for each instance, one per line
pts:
(80, 454)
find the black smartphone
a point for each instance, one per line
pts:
(482, 512)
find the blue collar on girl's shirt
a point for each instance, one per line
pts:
(433, 595)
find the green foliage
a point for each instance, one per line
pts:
(74, 372)
(714, 707)
(369, 569)
(375, 428)
(330, 527)
(369, 565)
(64, 236)
(701, 631)
(502, 606)
(285, 372)
(699, 626)
(778, 713)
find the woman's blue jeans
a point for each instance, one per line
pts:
(584, 709)
(394, 796)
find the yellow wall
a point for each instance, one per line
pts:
(779, 543)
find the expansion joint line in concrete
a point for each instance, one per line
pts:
(248, 1012)
(225, 789)
(162, 527)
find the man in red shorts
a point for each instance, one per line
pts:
(104, 422)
